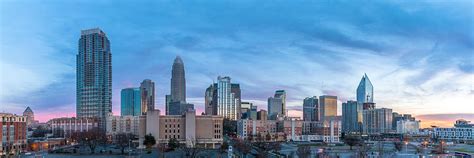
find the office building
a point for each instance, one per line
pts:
(377, 121)
(311, 109)
(408, 127)
(30, 117)
(204, 130)
(352, 116)
(328, 107)
(365, 90)
(398, 117)
(147, 90)
(65, 126)
(248, 111)
(178, 81)
(179, 108)
(167, 106)
(277, 105)
(262, 115)
(279, 130)
(13, 135)
(223, 98)
(94, 76)
(126, 124)
(131, 102)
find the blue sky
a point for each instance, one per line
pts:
(418, 55)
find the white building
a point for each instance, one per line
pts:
(125, 124)
(458, 133)
(408, 127)
(65, 126)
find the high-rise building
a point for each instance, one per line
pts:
(365, 90)
(377, 121)
(228, 98)
(168, 101)
(328, 107)
(147, 89)
(94, 76)
(311, 109)
(262, 115)
(223, 98)
(352, 116)
(131, 102)
(398, 117)
(277, 105)
(178, 81)
(30, 116)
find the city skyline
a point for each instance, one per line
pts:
(420, 73)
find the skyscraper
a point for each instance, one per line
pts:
(228, 98)
(94, 76)
(277, 105)
(223, 98)
(178, 81)
(147, 90)
(30, 116)
(328, 107)
(365, 90)
(377, 120)
(352, 116)
(311, 109)
(131, 102)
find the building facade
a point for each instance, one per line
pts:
(30, 117)
(408, 127)
(311, 109)
(178, 81)
(277, 105)
(131, 103)
(262, 115)
(189, 129)
(328, 107)
(147, 90)
(65, 126)
(13, 135)
(224, 99)
(352, 117)
(377, 121)
(365, 90)
(94, 76)
(125, 124)
(462, 131)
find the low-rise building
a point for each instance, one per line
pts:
(456, 133)
(13, 135)
(189, 129)
(125, 124)
(65, 126)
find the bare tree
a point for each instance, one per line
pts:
(123, 140)
(304, 151)
(91, 138)
(243, 146)
(191, 148)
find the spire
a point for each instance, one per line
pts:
(178, 60)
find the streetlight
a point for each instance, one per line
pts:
(406, 146)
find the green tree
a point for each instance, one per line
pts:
(149, 142)
(173, 143)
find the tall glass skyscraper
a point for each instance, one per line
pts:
(311, 109)
(147, 90)
(131, 102)
(277, 105)
(328, 107)
(94, 76)
(365, 90)
(228, 98)
(178, 81)
(352, 116)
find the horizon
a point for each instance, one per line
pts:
(415, 54)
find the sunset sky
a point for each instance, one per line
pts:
(418, 55)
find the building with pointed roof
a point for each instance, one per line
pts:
(365, 90)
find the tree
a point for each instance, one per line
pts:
(268, 137)
(41, 131)
(398, 146)
(149, 142)
(352, 140)
(224, 147)
(173, 143)
(191, 149)
(229, 127)
(91, 138)
(123, 140)
(304, 151)
(243, 146)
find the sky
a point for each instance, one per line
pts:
(418, 55)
